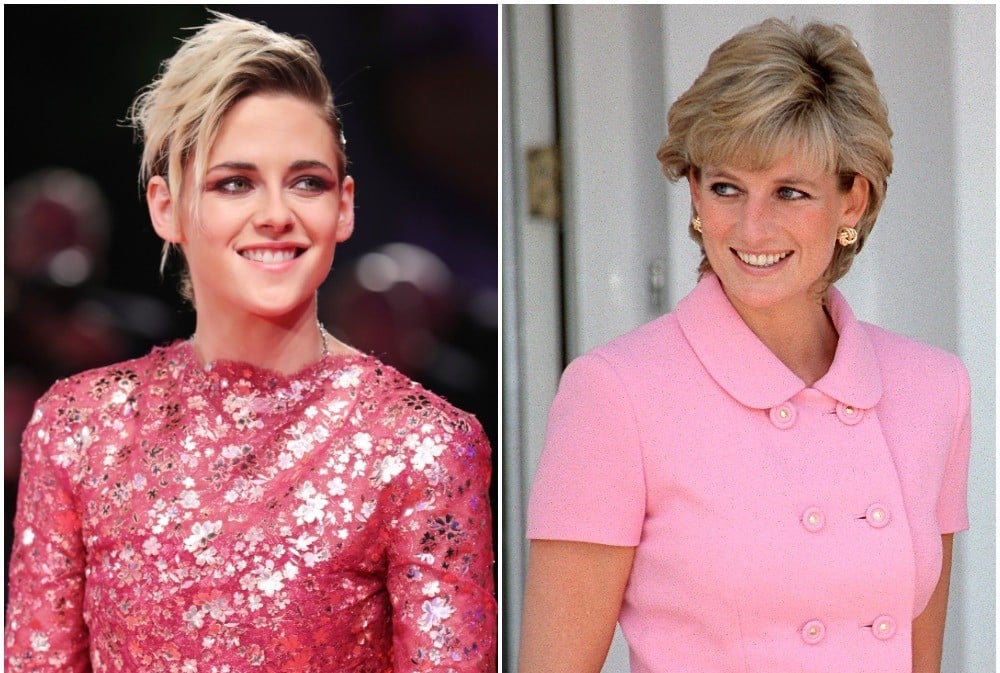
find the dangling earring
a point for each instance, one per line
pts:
(847, 236)
(696, 223)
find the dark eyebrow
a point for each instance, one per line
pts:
(234, 165)
(301, 164)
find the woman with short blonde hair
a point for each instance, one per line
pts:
(178, 115)
(772, 88)
(261, 496)
(757, 481)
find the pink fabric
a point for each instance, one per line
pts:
(778, 527)
(177, 519)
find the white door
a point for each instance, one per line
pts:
(576, 281)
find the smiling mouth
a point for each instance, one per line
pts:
(266, 256)
(761, 261)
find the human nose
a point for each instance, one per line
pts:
(274, 212)
(757, 219)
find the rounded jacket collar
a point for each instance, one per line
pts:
(752, 374)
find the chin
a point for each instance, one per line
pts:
(280, 307)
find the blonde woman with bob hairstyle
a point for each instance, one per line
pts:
(757, 481)
(260, 496)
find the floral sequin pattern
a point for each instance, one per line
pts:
(178, 518)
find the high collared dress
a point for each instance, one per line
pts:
(174, 518)
(778, 527)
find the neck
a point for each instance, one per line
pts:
(804, 338)
(286, 344)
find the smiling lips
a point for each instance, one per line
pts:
(269, 255)
(761, 261)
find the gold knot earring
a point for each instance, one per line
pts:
(847, 236)
(696, 223)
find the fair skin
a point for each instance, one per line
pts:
(928, 627)
(769, 236)
(272, 211)
(571, 603)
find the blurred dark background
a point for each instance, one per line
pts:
(416, 285)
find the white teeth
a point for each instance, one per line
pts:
(269, 256)
(761, 260)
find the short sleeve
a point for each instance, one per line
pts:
(590, 484)
(440, 574)
(952, 505)
(45, 630)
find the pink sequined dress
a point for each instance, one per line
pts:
(225, 519)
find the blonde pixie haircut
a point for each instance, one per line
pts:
(178, 116)
(772, 89)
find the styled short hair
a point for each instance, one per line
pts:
(772, 88)
(178, 116)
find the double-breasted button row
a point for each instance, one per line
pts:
(813, 631)
(877, 516)
(783, 416)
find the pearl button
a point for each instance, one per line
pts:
(849, 415)
(783, 415)
(813, 632)
(813, 519)
(884, 627)
(877, 516)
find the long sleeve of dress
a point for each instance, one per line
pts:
(45, 630)
(440, 555)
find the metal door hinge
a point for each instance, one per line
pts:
(544, 188)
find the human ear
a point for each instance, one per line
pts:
(345, 219)
(856, 201)
(162, 210)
